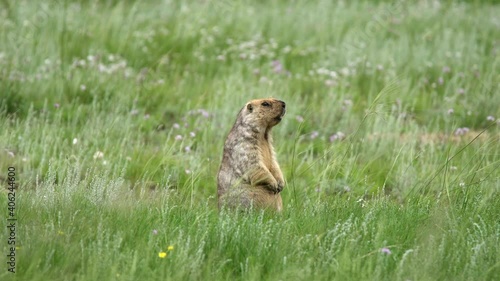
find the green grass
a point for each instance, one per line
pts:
(114, 114)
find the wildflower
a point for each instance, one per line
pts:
(446, 69)
(188, 171)
(450, 111)
(347, 102)
(314, 134)
(330, 83)
(490, 118)
(345, 71)
(146, 116)
(337, 136)
(461, 131)
(460, 91)
(75, 141)
(386, 251)
(461, 184)
(322, 71)
(83, 88)
(453, 168)
(192, 134)
(56, 105)
(178, 137)
(440, 80)
(176, 126)
(98, 154)
(299, 118)
(204, 113)
(170, 248)
(155, 232)
(277, 66)
(60, 232)
(134, 112)
(162, 255)
(187, 148)
(380, 67)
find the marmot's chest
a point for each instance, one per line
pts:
(266, 153)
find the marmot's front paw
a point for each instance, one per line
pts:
(273, 186)
(280, 186)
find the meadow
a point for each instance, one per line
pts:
(113, 116)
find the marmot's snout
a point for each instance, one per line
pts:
(283, 110)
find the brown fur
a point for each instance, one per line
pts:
(249, 174)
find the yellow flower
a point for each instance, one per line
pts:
(162, 255)
(170, 248)
(60, 232)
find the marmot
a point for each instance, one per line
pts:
(249, 174)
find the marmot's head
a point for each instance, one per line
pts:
(263, 113)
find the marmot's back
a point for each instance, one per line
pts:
(249, 174)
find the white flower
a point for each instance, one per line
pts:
(98, 154)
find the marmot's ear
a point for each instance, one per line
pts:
(250, 107)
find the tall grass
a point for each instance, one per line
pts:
(114, 115)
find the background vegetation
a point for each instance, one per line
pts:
(114, 115)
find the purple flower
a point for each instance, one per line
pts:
(337, 136)
(299, 118)
(461, 131)
(386, 251)
(490, 118)
(204, 113)
(56, 105)
(446, 69)
(314, 134)
(178, 137)
(277, 66)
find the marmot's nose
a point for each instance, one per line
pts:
(283, 103)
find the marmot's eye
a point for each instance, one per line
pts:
(266, 104)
